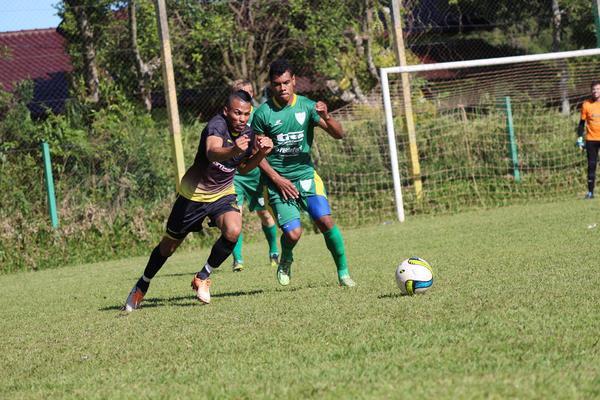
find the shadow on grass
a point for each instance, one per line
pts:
(391, 295)
(183, 301)
(190, 274)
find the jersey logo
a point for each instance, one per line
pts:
(301, 117)
(277, 123)
(306, 184)
(290, 137)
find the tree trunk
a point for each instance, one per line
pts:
(144, 71)
(564, 72)
(368, 31)
(89, 51)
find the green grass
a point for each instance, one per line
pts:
(513, 313)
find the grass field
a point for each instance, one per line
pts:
(514, 312)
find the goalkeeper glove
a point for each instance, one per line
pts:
(580, 143)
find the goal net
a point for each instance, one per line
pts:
(488, 132)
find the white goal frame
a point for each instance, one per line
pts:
(387, 102)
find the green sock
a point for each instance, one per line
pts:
(287, 248)
(335, 244)
(237, 250)
(271, 236)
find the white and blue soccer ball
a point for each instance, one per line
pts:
(414, 275)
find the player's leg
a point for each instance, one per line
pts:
(238, 259)
(228, 219)
(319, 210)
(288, 219)
(184, 218)
(256, 202)
(292, 231)
(270, 230)
(158, 257)
(592, 157)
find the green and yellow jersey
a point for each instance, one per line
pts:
(291, 127)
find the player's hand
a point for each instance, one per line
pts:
(321, 109)
(264, 144)
(580, 143)
(241, 144)
(286, 188)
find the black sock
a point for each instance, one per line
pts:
(143, 284)
(155, 263)
(204, 273)
(219, 252)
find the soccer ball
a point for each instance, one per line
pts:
(414, 275)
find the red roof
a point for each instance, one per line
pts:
(37, 54)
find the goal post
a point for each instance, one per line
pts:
(466, 99)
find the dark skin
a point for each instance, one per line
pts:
(283, 87)
(237, 113)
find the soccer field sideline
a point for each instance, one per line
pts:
(513, 312)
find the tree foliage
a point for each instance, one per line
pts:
(530, 24)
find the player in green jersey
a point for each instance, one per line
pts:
(292, 183)
(250, 189)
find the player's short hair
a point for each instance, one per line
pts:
(280, 67)
(238, 84)
(594, 83)
(239, 94)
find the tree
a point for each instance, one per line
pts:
(144, 70)
(81, 21)
(240, 38)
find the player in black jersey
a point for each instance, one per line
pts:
(227, 143)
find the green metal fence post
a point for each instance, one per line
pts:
(49, 184)
(511, 139)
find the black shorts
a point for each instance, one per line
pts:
(187, 215)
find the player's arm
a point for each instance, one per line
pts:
(262, 146)
(581, 128)
(216, 152)
(285, 186)
(328, 123)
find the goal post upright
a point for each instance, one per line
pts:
(391, 134)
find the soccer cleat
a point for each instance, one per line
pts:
(134, 299)
(346, 281)
(202, 289)
(589, 195)
(284, 272)
(237, 266)
(274, 259)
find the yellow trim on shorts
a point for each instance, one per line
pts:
(169, 236)
(319, 186)
(202, 197)
(267, 202)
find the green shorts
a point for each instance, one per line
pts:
(249, 189)
(288, 210)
